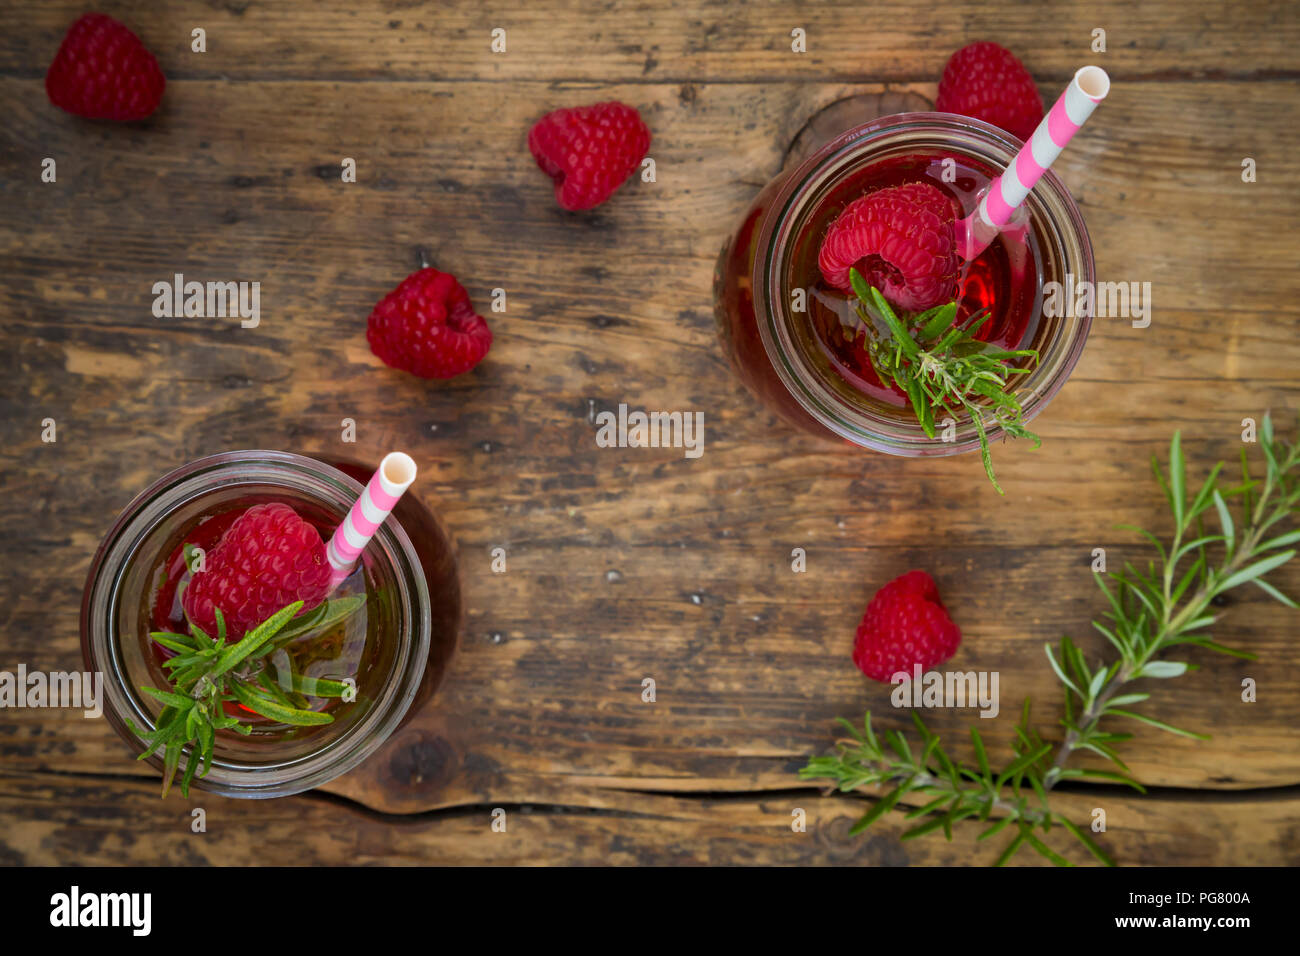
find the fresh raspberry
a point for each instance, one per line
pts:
(103, 71)
(986, 81)
(427, 326)
(589, 151)
(905, 624)
(903, 242)
(268, 558)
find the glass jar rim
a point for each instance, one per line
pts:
(774, 239)
(325, 485)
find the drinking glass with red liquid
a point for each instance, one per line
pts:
(799, 344)
(394, 648)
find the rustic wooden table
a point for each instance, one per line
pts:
(625, 564)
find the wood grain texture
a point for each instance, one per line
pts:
(635, 563)
(657, 40)
(72, 817)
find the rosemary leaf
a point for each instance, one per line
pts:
(255, 638)
(273, 710)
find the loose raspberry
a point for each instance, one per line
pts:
(267, 559)
(905, 624)
(589, 151)
(903, 242)
(986, 81)
(426, 326)
(103, 71)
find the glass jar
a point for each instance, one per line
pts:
(769, 344)
(402, 656)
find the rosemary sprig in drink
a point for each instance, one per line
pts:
(939, 364)
(207, 673)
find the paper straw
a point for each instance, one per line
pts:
(1005, 194)
(386, 485)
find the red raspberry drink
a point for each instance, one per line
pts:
(325, 689)
(348, 650)
(1003, 279)
(798, 341)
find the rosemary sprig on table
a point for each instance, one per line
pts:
(206, 673)
(939, 364)
(1151, 613)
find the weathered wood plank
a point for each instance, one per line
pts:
(548, 680)
(659, 41)
(220, 200)
(79, 820)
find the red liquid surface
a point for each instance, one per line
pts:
(166, 613)
(1002, 279)
(432, 546)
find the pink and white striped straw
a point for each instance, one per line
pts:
(1071, 110)
(386, 485)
